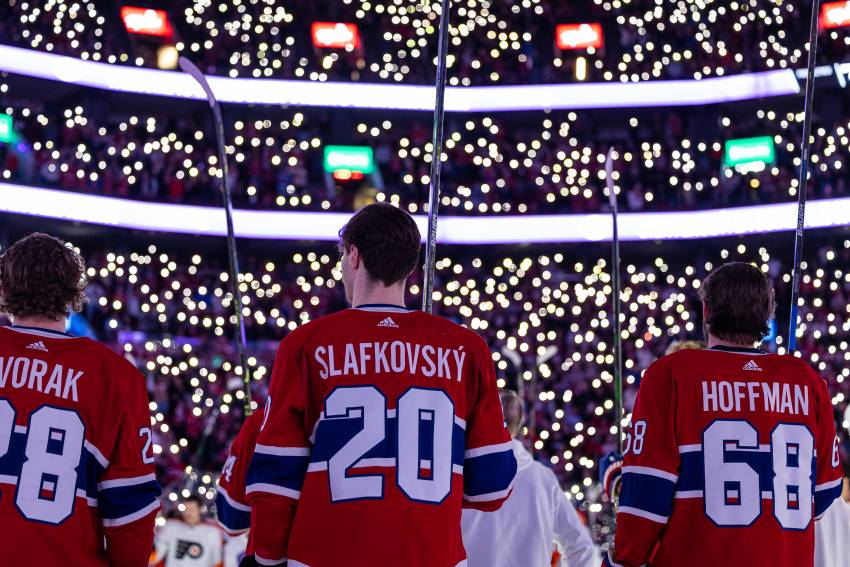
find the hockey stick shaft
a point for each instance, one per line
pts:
(436, 160)
(615, 276)
(233, 257)
(802, 186)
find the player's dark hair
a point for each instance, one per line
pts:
(740, 303)
(41, 276)
(388, 241)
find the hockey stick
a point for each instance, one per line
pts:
(804, 175)
(190, 68)
(436, 160)
(615, 274)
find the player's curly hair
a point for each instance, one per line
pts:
(41, 276)
(740, 302)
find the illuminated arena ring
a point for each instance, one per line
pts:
(516, 229)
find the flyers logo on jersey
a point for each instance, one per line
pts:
(388, 322)
(190, 548)
(751, 365)
(38, 345)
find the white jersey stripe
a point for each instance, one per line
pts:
(282, 451)
(119, 482)
(97, 454)
(488, 449)
(643, 514)
(152, 507)
(651, 472)
(828, 485)
(273, 489)
(233, 503)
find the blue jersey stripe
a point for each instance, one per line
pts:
(648, 493)
(489, 473)
(825, 498)
(692, 468)
(229, 517)
(121, 501)
(88, 471)
(285, 471)
(333, 433)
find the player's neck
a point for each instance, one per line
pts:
(714, 341)
(379, 295)
(40, 322)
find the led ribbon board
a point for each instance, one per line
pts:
(349, 158)
(516, 229)
(749, 154)
(7, 133)
(70, 70)
(834, 15)
(579, 36)
(146, 21)
(335, 35)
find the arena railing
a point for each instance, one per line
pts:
(515, 229)
(71, 70)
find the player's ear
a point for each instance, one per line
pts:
(354, 256)
(704, 311)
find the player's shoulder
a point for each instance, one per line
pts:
(306, 331)
(116, 366)
(455, 331)
(787, 363)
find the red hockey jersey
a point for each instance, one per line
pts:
(383, 423)
(731, 456)
(77, 484)
(231, 505)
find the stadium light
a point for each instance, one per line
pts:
(7, 132)
(335, 35)
(359, 159)
(749, 154)
(147, 21)
(834, 15)
(479, 230)
(579, 36)
(71, 70)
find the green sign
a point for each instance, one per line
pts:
(7, 135)
(351, 158)
(747, 152)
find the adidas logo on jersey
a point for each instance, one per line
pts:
(38, 345)
(388, 322)
(751, 365)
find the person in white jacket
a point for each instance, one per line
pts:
(523, 532)
(832, 531)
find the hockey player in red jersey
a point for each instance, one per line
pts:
(77, 483)
(732, 452)
(383, 423)
(231, 505)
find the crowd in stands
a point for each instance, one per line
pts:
(491, 42)
(538, 162)
(170, 313)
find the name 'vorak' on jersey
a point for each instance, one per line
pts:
(76, 455)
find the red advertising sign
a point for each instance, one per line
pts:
(146, 21)
(579, 36)
(834, 15)
(335, 34)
